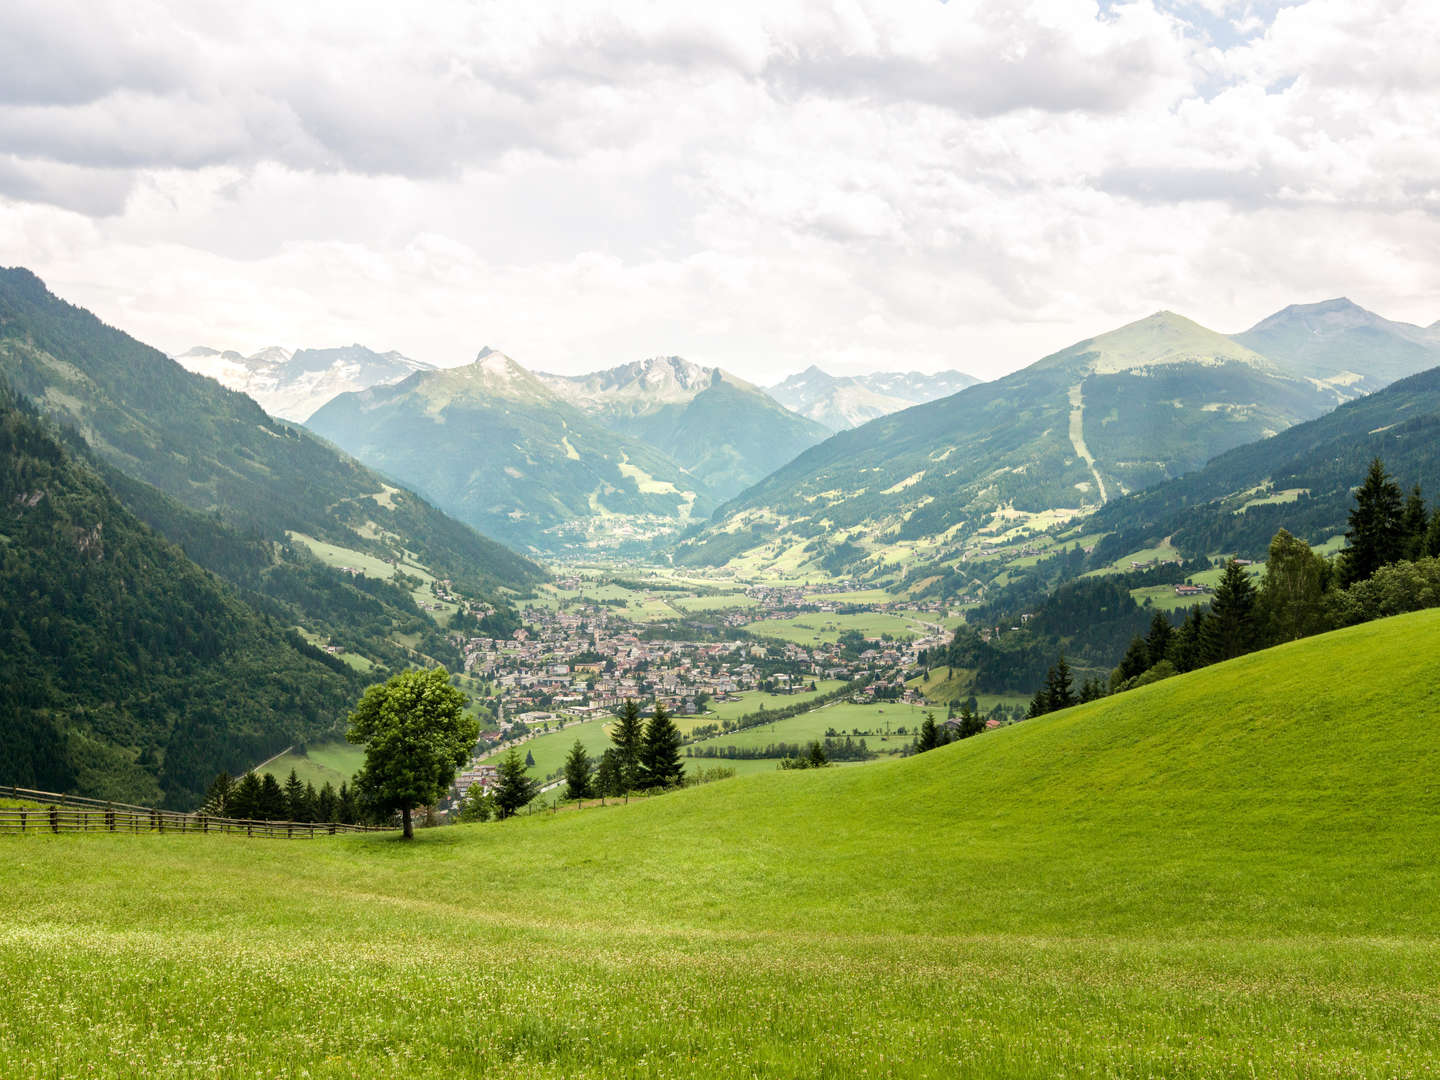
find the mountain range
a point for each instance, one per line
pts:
(293, 385)
(845, 401)
(615, 459)
(1053, 441)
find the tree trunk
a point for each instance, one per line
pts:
(409, 829)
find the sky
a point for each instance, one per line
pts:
(863, 185)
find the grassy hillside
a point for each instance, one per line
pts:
(1230, 873)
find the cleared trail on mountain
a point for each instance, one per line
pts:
(1077, 436)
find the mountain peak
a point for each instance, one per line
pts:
(1165, 337)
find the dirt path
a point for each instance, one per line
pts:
(1077, 436)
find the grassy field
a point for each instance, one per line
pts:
(843, 717)
(333, 762)
(751, 701)
(550, 749)
(1229, 873)
(821, 626)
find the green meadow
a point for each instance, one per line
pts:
(332, 762)
(1234, 872)
(815, 627)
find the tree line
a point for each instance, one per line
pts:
(264, 798)
(833, 749)
(1391, 565)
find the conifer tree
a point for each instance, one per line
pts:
(628, 736)
(1415, 525)
(660, 764)
(513, 786)
(217, 796)
(608, 780)
(578, 773)
(244, 801)
(347, 807)
(1376, 534)
(1432, 537)
(929, 736)
(970, 722)
(311, 798)
(272, 806)
(1040, 703)
(1231, 629)
(1135, 662)
(327, 803)
(1060, 688)
(1187, 651)
(529, 760)
(294, 797)
(1157, 639)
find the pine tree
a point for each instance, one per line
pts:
(1187, 650)
(347, 807)
(628, 736)
(529, 760)
(1232, 627)
(217, 796)
(1040, 703)
(929, 737)
(294, 797)
(311, 800)
(244, 801)
(1135, 662)
(1060, 688)
(660, 764)
(1376, 534)
(1157, 639)
(272, 805)
(578, 773)
(513, 787)
(327, 803)
(1432, 537)
(1414, 525)
(970, 722)
(608, 780)
(817, 759)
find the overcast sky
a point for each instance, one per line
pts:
(876, 184)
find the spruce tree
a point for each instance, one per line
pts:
(1061, 686)
(311, 799)
(578, 773)
(1040, 703)
(929, 737)
(628, 736)
(1376, 533)
(272, 805)
(1187, 650)
(1415, 526)
(244, 801)
(1135, 662)
(513, 786)
(817, 759)
(1432, 537)
(1157, 639)
(294, 797)
(217, 796)
(608, 780)
(327, 803)
(1231, 629)
(660, 764)
(529, 760)
(347, 807)
(970, 722)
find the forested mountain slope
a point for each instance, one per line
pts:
(127, 671)
(1300, 479)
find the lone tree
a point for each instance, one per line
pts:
(513, 786)
(416, 734)
(578, 771)
(660, 751)
(1232, 628)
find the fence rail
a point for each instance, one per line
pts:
(76, 813)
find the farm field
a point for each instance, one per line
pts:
(822, 626)
(1228, 873)
(843, 717)
(321, 763)
(751, 700)
(551, 748)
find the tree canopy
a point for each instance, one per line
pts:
(416, 734)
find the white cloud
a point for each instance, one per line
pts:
(863, 185)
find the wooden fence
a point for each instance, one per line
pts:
(75, 813)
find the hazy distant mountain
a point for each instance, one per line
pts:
(1108, 415)
(1339, 342)
(495, 445)
(725, 432)
(294, 385)
(846, 401)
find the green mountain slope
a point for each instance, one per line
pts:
(126, 671)
(249, 487)
(1300, 479)
(1227, 873)
(496, 447)
(1339, 342)
(722, 430)
(1057, 439)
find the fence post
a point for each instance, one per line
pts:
(110, 816)
(24, 815)
(54, 819)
